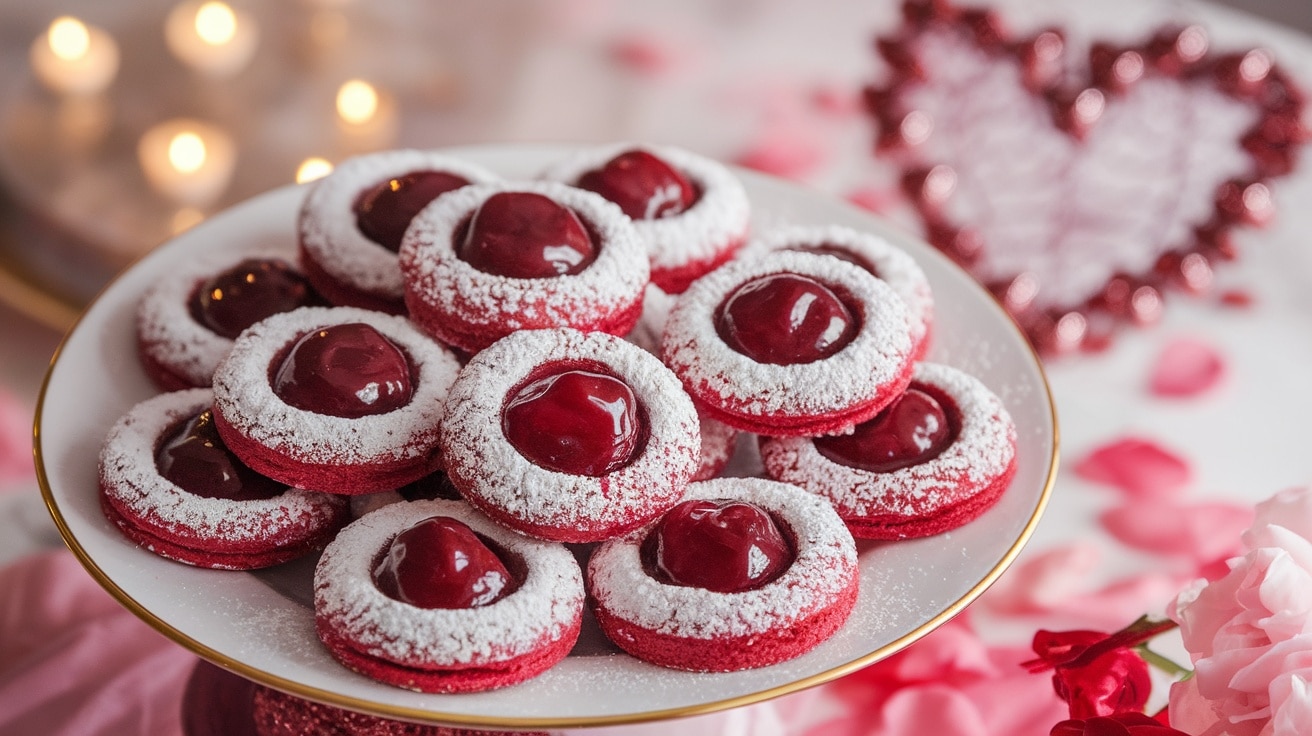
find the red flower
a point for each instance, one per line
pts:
(1093, 672)
(1121, 724)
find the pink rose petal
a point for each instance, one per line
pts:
(1187, 368)
(1202, 532)
(1139, 467)
(15, 442)
(791, 154)
(876, 199)
(1040, 583)
(649, 54)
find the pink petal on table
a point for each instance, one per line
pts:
(787, 153)
(649, 54)
(1202, 532)
(1039, 583)
(876, 199)
(1122, 600)
(1186, 368)
(1139, 467)
(837, 100)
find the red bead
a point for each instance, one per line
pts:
(644, 186)
(914, 429)
(345, 370)
(383, 213)
(193, 458)
(525, 235)
(723, 546)
(575, 421)
(237, 298)
(785, 319)
(441, 563)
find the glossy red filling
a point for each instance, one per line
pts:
(785, 319)
(348, 370)
(579, 422)
(383, 213)
(192, 457)
(525, 235)
(723, 546)
(914, 429)
(237, 298)
(441, 563)
(643, 185)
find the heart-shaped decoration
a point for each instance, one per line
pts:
(1078, 187)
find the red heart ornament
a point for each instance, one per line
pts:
(1080, 187)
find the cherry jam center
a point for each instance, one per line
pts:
(577, 422)
(644, 186)
(441, 563)
(237, 298)
(785, 319)
(914, 429)
(723, 546)
(525, 235)
(193, 458)
(347, 370)
(383, 213)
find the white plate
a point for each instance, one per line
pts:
(261, 626)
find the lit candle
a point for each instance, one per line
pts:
(211, 37)
(187, 161)
(367, 116)
(74, 58)
(313, 168)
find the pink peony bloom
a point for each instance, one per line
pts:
(1249, 633)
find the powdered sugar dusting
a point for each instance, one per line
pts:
(471, 308)
(243, 394)
(879, 356)
(166, 331)
(131, 481)
(825, 567)
(326, 224)
(892, 264)
(491, 472)
(540, 611)
(715, 224)
(983, 451)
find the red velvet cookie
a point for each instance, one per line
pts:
(510, 614)
(690, 211)
(341, 399)
(872, 253)
(168, 483)
(719, 586)
(934, 460)
(790, 344)
(569, 436)
(491, 259)
(186, 323)
(350, 226)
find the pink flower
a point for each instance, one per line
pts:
(1249, 633)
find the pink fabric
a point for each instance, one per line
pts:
(1187, 368)
(16, 469)
(75, 663)
(1138, 467)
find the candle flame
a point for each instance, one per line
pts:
(357, 102)
(187, 152)
(216, 24)
(313, 168)
(69, 38)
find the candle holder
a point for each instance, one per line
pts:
(87, 186)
